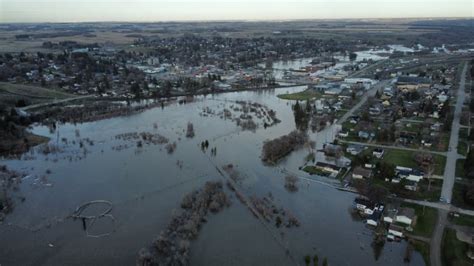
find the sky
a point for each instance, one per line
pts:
(185, 10)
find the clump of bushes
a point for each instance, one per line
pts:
(172, 246)
(275, 149)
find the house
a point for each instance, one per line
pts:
(389, 216)
(343, 134)
(363, 135)
(374, 111)
(361, 173)
(374, 218)
(328, 168)
(369, 166)
(395, 230)
(378, 152)
(405, 216)
(362, 204)
(411, 185)
(409, 174)
(415, 176)
(412, 83)
(354, 149)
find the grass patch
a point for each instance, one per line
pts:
(300, 96)
(462, 147)
(32, 91)
(425, 221)
(443, 142)
(460, 168)
(312, 170)
(400, 158)
(459, 190)
(464, 220)
(453, 251)
(463, 133)
(406, 159)
(10, 94)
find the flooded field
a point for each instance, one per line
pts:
(145, 183)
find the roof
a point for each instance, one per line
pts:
(408, 212)
(362, 171)
(364, 202)
(322, 164)
(413, 80)
(391, 213)
(395, 227)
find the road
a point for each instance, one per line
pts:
(437, 238)
(392, 147)
(440, 206)
(367, 94)
(364, 70)
(449, 176)
(452, 155)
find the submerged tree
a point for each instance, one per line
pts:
(302, 115)
(291, 183)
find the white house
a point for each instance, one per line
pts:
(389, 216)
(361, 173)
(378, 153)
(405, 216)
(395, 230)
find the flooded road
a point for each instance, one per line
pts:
(145, 184)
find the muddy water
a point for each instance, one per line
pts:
(146, 184)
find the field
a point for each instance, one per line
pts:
(11, 93)
(301, 96)
(453, 250)
(464, 220)
(406, 159)
(460, 168)
(425, 221)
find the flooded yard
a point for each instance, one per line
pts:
(145, 183)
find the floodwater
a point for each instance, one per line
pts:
(146, 184)
(375, 54)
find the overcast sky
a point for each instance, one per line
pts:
(165, 10)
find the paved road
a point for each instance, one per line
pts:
(392, 147)
(452, 155)
(449, 177)
(437, 238)
(440, 206)
(364, 70)
(362, 101)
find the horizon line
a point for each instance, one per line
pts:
(239, 20)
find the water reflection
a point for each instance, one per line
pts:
(146, 186)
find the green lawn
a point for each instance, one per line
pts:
(406, 159)
(463, 133)
(464, 220)
(400, 158)
(443, 143)
(347, 126)
(301, 96)
(314, 171)
(32, 91)
(460, 168)
(453, 251)
(462, 147)
(10, 94)
(425, 221)
(459, 190)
